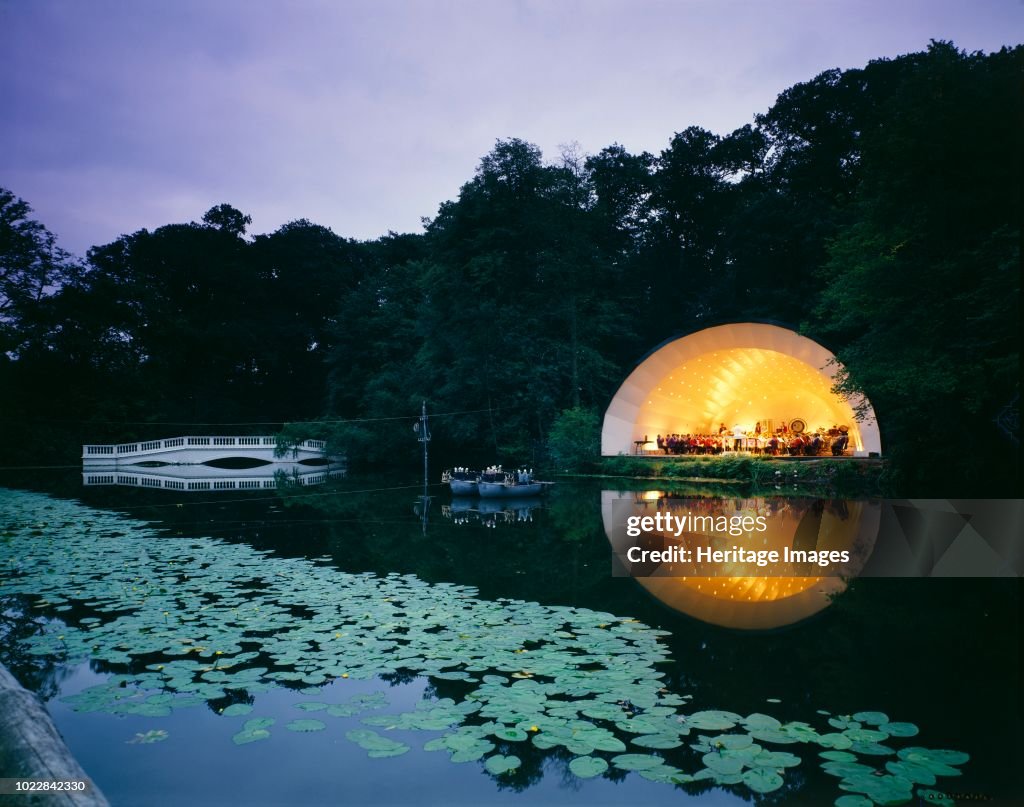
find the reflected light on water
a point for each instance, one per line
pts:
(736, 596)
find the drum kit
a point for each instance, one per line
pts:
(798, 428)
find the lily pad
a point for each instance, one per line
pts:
(514, 735)
(872, 718)
(237, 710)
(636, 762)
(250, 736)
(722, 764)
(899, 729)
(588, 767)
(305, 725)
(759, 721)
(499, 764)
(838, 756)
(374, 744)
(853, 800)
(912, 771)
(762, 780)
(658, 741)
(712, 720)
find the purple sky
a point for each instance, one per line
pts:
(365, 116)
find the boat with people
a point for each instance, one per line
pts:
(517, 483)
(494, 482)
(462, 481)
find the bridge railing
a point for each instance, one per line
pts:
(119, 450)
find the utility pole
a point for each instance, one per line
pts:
(422, 429)
(424, 437)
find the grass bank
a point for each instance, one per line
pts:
(761, 474)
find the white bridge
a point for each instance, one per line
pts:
(200, 450)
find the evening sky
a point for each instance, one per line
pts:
(365, 116)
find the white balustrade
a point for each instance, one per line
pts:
(200, 448)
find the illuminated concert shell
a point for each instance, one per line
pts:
(735, 374)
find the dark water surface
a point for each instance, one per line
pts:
(943, 654)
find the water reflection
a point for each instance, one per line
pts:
(491, 512)
(208, 478)
(743, 595)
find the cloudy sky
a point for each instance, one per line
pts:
(365, 116)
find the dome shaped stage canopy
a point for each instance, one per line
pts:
(737, 375)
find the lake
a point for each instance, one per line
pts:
(322, 645)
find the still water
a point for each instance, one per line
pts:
(322, 645)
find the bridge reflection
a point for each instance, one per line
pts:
(192, 478)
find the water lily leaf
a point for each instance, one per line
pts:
(899, 729)
(515, 735)
(733, 742)
(838, 756)
(939, 755)
(722, 764)
(800, 731)
(588, 767)
(305, 725)
(762, 780)
(546, 740)
(847, 770)
(237, 710)
(886, 789)
(397, 750)
(912, 771)
(657, 741)
(872, 749)
(773, 736)
(581, 747)
(839, 742)
(844, 722)
(499, 764)
(933, 760)
(718, 778)
(758, 721)
(872, 718)
(712, 720)
(776, 759)
(665, 774)
(250, 736)
(311, 706)
(866, 735)
(473, 753)
(259, 723)
(373, 743)
(853, 800)
(636, 762)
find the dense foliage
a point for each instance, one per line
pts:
(875, 208)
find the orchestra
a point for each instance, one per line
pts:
(792, 439)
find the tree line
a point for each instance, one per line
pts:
(877, 209)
